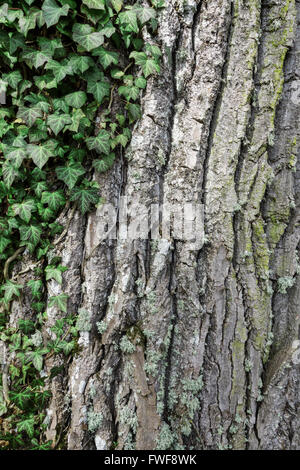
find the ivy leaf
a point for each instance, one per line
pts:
(95, 4)
(85, 198)
(54, 199)
(84, 35)
(149, 66)
(129, 18)
(59, 70)
(101, 143)
(29, 115)
(39, 187)
(36, 287)
(70, 174)
(16, 156)
(52, 12)
(57, 122)
(130, 92)
(40, 154)
(9, 172)
(134, 111)
(117, 5)
(106, 57)
(12, 78)
(99, 90)
(145, 14)
(24, 209)
(140, 82)
(30, 233)
(36, 358)
(35, 58)
(21, 399)
(4, 242)
(54, 273)
(105, 163)
(59, 301)
(27, 425)
(81, 63)
(68, 347)
(11, 289)
(76, 99)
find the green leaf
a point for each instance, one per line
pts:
(107, 58)
(70, 174)
(27, 426)
(35, 58)
(9, 173)
(140, 82)
(31, 233)
(130, 92)
(81, 63)
(4, 242)
(36, 287)
(95, 4)
(11, 289)
(52, 12)
(53, 272)
(85, 198)
(29, 115)
(54, 199)
(134, 111)
(145, 14)
(105, 163)
(129, 18)
(117, 5)
(40, 154)
(76, 99)
(21, 399)
(37, 359)
(24, 209)
(57, 122)
(99, 90)
(101, 143)
(149, 66)
(16, 156)
(85, 35)
(59, 70)
(12, 78)
(59, 301)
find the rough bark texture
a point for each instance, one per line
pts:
(216, 357)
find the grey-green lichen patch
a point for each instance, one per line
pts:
(285, 283)
(101, 326)
(83, 322)
(166, 438)
(126, 345)
(94, 421)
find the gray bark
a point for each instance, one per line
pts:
(217, 351)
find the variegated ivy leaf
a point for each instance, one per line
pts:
(95, 4)
(52, 12)
(57, 122)
(24, 209)
(86, 36)
(29, 115)
(101, 143)
(76, 99)
(40, 154)
(69, 174)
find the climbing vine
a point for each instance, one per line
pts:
(71, 78)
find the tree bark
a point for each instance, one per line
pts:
(214, 352)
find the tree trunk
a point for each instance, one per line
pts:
(198, 346)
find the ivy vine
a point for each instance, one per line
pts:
(71, 78)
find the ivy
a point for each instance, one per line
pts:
(66, 68)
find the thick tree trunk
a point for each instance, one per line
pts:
(199, 346)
